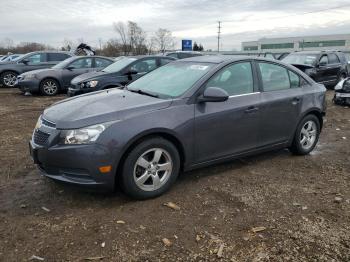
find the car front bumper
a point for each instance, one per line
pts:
(75, 90)
(76, 164)
(30, 85)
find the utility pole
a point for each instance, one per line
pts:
(219, 32)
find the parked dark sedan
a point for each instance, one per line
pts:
(325, 67)
(28, 62)
(53, 80)
(187, 114)
(122, 72)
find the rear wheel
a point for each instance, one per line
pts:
(150, 168)
(49, 87)
(306, 136)
(8, 79)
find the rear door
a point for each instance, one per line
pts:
(334, 67)
(100, 63)
(55, 58)
(226, 128)
(36, 61)
(77, 67)
(281, 99)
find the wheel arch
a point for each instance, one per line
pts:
(314, 111)
(164, 133)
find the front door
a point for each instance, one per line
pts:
(77, 67)
(231, 127)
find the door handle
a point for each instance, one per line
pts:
(251, 109)
(295, 100)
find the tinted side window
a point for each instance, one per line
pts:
(57, 57)
(164, 61)
(324, 60)
(333, 59)
(173, 55)
(294, 79)
(145, 66)
(36, 59)
(81, 63)
(274, 77)
(235, 79)
(102, 63)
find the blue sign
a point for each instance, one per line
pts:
(186, 45)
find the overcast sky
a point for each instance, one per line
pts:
(50, 21)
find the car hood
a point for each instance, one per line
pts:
(303, 67)
(39, 71)
(88, 76)
(100, 107)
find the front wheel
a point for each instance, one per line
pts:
(49, 87)
(150, 168)
(306, 135)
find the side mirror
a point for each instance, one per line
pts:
(213, 94)
(25, 61)
(70, 68)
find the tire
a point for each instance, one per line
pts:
(306, 135)
(155, 163)
(8, 79)
(49, 87)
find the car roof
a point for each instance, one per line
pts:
(147, 56)
(216, 59)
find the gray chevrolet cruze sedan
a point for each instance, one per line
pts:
(184, 115)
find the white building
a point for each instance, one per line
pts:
(279, 45)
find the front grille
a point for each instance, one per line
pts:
(40, 138)
(48, 123)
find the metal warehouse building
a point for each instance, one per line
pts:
(322, 42)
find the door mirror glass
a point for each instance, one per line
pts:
(213, 94)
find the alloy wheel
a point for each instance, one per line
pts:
(308, 135)
(153, 169)
(50, 87)
(9, 79)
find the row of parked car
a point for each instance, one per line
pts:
(49, 73)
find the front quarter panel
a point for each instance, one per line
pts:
(176, 120)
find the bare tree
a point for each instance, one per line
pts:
(132, 38)
(164, 40)
(121, 30)
(8, 43)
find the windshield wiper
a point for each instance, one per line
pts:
(141, 92)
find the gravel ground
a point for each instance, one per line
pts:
(270, 207)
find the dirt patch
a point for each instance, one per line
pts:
(271, 207)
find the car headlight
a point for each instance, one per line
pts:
(83, 135)
(91, 84)
(29, 76)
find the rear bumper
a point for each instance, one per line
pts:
(76, 165)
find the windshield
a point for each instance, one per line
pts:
(64, 63)
(301, 59)
(171, 80)
(120, 64)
